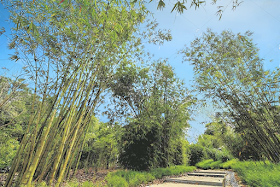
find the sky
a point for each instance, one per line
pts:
(262, 17)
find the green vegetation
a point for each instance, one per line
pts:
(79, 55)
(197, 153)
(229, 70)
(101, 147)
(255, 174)
(258, 173)
(128, 178)
(135, 178)
(15, 107)
(229, 164)
(70, 51)
(181, 6)
(154, 136)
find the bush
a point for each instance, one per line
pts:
(211, 164)
(255, 174)
(139, 151)
(215, 164)
(216, 154)
(135, 178)
(197, 153)
(88, 184)
(73, 183)
(229, 164)
(132, 178)
(116, 181)
(205, 164)
(8, 149)
(258, 174)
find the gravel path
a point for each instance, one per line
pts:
(231, 180)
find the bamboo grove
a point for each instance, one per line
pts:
(76, 52)
(71, 49)
(229, 71)
(160, 106)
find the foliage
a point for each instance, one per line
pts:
(229, 71)
(15, 109)
(255, 174)
(197, 153)
(101, 146)
(204, 164)
(213, 141)
(132, 178)
(116, 181)
(8, 149)
(15, 99)
(222, 143)
(229, 164)
(70, 50)
(139, 147)
(136, 178)
(155, 131)
(258, 174)
(180, 6)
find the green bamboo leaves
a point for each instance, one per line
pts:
(158, 104)
(71, 50)
(228, 69)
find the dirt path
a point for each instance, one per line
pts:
(201, 178)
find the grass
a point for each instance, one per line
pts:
(258, 174)
(128, 178)
(73, 183)
(229, 164)
(135, 178)
(254, 174)
(205, 164)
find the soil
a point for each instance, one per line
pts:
(81, 176)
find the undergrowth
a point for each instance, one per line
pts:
(254, 174)
(135, 178)
(128, 178)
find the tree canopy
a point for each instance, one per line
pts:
(229, 71)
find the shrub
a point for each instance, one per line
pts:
(205, 164)
(216, 154)
(116, 181)
(228, 164)
(215, 164)
(258, 174)
(197, 153)
(255, 174)
(139, 151)
(8, 149)
(135, 178)
(73, 183)
(88, 184)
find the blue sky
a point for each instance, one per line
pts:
(259, 16)
(262, 17)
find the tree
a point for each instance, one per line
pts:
(15, 99)
(71, 50)
(180, 5)
(101, 148)
(157, 114)
(229, 71)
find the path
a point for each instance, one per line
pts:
(201, 178)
